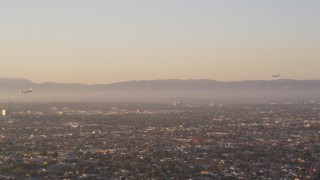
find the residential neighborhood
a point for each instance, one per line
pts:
(159, 141)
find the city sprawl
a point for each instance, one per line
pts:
(159, 141)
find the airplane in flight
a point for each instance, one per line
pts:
(275, 75)
(26, 91)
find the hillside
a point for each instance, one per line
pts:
(258, 91)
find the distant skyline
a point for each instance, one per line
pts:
(100, 41)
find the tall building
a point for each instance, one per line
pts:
(4, 112)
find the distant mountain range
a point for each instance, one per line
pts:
(165, 91)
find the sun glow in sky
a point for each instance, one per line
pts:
(104, 41)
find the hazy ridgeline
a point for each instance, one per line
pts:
(190, 91)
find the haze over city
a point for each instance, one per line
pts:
(159, 90)
(97, 42)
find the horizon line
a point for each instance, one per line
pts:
(148, 80)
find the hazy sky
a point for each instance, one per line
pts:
(103, 41)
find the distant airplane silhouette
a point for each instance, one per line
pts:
(275, 75)
(26, 91)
